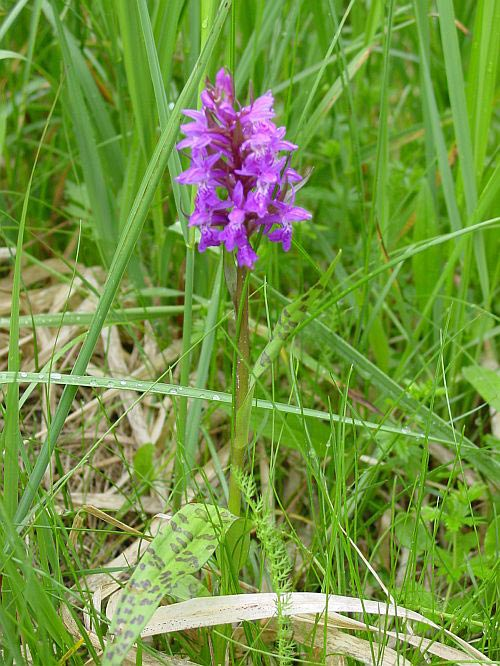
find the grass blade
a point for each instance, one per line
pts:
(435, 121)
(456, 87)
(481, 79)
(181, 195)
(104, 214)
(218, 397)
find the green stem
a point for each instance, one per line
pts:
(242, 396)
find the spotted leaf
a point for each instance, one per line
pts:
(181, 548)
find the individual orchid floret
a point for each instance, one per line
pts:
(239, 163)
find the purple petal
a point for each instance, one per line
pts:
(238, 195)
(258, 202)
(286, 145)
(192, 176)
(282, 235)
(195, 115)
(199, 141)
(207, 100)
(237, 216)
(210, 237)
(260, 110)
(297, 214)
(224, 83)
(234, 235)
(225, 113)
(193, 128)
(292, 176)
(200, 172)
(246, 256)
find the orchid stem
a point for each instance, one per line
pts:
(242, 399)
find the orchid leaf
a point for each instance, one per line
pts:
(180, 548)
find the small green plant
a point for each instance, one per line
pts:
(277, 563)
(461, 538)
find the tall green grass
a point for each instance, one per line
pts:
(374, 438)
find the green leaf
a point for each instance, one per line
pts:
(237, 544)
(380, 343)
(6, 55)
(180, 549)
(258, 41)
(181, 195)
(118, 316)
(206, 355)
(426, 267)
(492, 539)
(414, 537)
(330, 98)
(144, 461)
(486, 382)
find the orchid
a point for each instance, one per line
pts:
(240, 166)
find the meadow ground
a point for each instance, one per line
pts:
(372, 464)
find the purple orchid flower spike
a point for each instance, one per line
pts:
(237, 163)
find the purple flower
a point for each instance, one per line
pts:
(244, 182)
